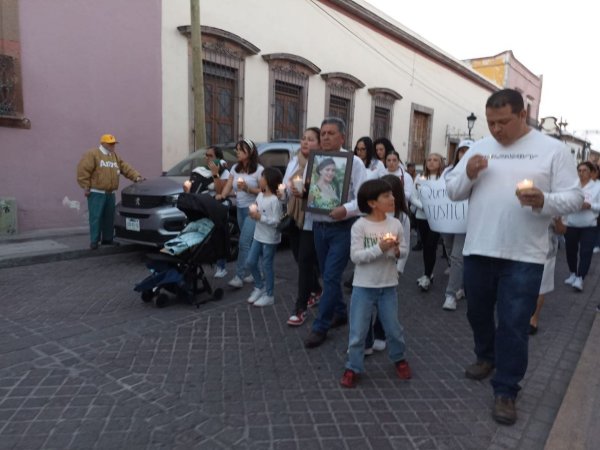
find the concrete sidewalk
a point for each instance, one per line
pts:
(52, 245)
(575, 425)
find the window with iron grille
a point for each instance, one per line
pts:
(288, 108)
(382, 111)
(288, 94)
(223, 58)
(11, 92)
(220, 85)
(340, 100)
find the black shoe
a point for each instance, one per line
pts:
(338, 321)
(314, 339)
(113, 243)
(418, 246)
(504, 411)
(479, 370)
(94, 246)
(532, 330)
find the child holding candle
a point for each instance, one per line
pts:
(266, 237)
(243, 180)
(376, 244)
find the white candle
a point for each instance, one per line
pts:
(187, 184)
(281, 189)
(524, 184)
(240, 180)
(298, 183)
(253, 208)
(389, 236)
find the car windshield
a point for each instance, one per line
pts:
(198, 158)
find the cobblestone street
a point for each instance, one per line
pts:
(86, 364)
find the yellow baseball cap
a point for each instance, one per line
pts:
(108, 139)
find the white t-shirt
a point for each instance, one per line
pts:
(244, 199)
(270, 214)
(497, 225)
(375, 269)
(586, 217)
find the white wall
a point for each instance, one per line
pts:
(335, 43)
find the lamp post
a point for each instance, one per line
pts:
(471, 122)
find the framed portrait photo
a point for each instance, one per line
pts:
(328, 176)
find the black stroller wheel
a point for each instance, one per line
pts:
(147, 296)
(160, 300)
(218, 294)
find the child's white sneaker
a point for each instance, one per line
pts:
(265, 300)
(460, 294)
(255, 295)
(578, 284)
(220, 273)
(379, 345)
(236, 282)
(249, 279)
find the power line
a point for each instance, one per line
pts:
(409, 72)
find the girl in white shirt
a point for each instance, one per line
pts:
(267, 215)
(433, 170)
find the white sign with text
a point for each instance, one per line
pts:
(443, 215)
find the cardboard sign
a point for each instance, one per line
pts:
(443, 215)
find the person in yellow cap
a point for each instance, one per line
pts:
(98, 175)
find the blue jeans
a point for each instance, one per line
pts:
(580, 241)
(362, 304)
(332, 244)
(247, 226)
(101, 208)
(267, 251)
(511, 288)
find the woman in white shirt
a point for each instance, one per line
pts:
(243, 179)
(580, 237)
(365, 150)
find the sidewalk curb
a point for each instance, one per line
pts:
(64, 255)
(576, 424)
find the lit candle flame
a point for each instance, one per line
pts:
(524, 184)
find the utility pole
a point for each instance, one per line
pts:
(198, 77)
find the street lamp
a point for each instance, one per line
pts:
(471, 122)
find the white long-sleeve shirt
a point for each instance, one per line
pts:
(270, 214)
(373, 267)
(586, 217)
(497, 225)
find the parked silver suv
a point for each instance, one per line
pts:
(147, 214)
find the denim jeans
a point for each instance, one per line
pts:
(580, 241)
(332, 244)
(362, 304)
(511, 289)
(247, 226)
(101, 208)
(267, 252)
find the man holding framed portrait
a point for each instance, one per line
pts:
(334, 177)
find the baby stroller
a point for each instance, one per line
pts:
(178, 267)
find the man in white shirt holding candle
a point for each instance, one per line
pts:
(516, 180)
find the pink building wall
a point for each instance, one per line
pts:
(88, 67)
